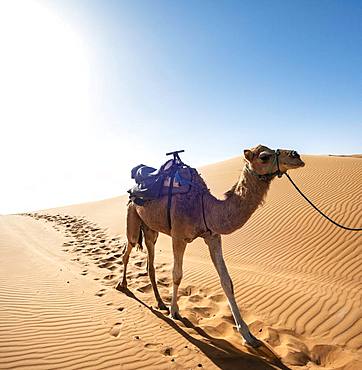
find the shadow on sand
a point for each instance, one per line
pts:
(221, 352)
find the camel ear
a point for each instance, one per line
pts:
(248, 154)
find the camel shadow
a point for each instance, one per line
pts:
(221, 352)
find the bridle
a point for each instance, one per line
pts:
(269, 176)
(279, 173)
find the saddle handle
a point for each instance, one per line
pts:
(176, 157)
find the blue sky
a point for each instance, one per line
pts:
(227, 74)
(146, 77)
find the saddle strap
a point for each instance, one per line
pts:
(169, 200)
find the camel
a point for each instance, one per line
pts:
(199, 214)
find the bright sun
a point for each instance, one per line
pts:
(43, 67)
(44, 94)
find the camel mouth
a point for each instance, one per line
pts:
(300, 164)
(292, 164)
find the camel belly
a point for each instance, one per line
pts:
(186, 216)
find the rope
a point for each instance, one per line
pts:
(318, 210)
(169, 200)
(202, 191)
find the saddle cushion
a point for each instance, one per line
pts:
(152, 183)
(141, 172)
(181, 181)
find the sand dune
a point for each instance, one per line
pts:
(297, 279)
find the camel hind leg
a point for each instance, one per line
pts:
(133, 236)
(150, 241)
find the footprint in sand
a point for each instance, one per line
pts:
(153, 346)
(218, 298)
(145, 288)
(140, 274)
(116, 329)
(140, 263)
(84, 272)
(325, 354)
(105, 265)
(167, 351)
(205, 311)
(187, 291)
(109, 277)
(196, 298)
(101, 293)
(164, 281)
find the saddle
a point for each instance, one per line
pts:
(173, 177)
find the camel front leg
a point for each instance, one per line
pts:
(178, 246)
(214, 244)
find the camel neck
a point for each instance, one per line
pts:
(250, 189)
(240, 203)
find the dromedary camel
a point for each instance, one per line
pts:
(199, 214)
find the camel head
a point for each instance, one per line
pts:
(264, 161)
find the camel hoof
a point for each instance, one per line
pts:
(162, 306)
(176, 315)
(121, 288)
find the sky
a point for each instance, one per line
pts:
(90, 89)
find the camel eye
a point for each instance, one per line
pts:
(264, 157)
(294, 154)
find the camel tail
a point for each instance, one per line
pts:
(140, 239)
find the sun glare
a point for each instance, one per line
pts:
(44, 71)
(44, 88)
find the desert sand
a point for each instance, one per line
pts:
(297, 280)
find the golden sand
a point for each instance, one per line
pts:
(297, 281)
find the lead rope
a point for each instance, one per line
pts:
(280, 174)
(318, 210)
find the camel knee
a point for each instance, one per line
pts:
(177, 277)
(133, 236)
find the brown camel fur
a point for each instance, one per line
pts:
(199, 214)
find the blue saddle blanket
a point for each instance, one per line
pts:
(153, 184)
